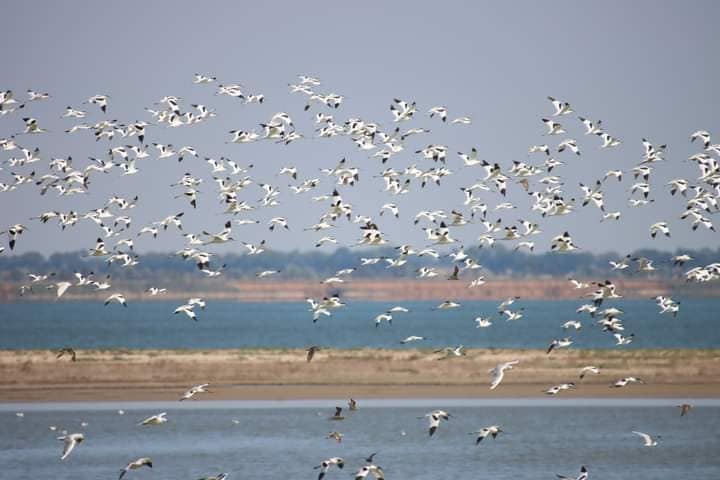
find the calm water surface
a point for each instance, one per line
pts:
(289, 325)
(283, 440)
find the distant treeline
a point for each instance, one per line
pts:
(496, 261)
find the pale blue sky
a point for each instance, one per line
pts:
(647, 69)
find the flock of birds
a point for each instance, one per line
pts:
(537, 179)
(435, 419)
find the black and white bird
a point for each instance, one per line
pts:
(659, 227)
(554, 128)
(135, 464)
(583, 475)
(492, 431)
(559, 343)
(623, 382)
(434, 421)
(326, 464)
(561, 108)
(554, 390)
(589, 369)
(373, 470)
(194, 390)
(70, 441)
(116, 297)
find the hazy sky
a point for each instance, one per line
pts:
(647, 69)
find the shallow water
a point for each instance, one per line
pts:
(289, 325)
(286, 439)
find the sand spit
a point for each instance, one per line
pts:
(285, 374)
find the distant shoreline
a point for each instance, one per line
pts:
(274, 374)
(269, 290)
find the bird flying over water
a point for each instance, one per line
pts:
(70, 441)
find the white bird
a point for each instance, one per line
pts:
(158, 419)
(492, 430)
(434, 424)
(588, 369)
(471, 159)
(61, 288)
(583, 475)
(591, 128)
(198, 78)
(69, 443)
(326, 464)
(439, 111)
(398, 309)
(570, 144)
(621, 265)
(559, 343)
(374, 470)
(116, 297)
(554, 128)
(447, 305)
(402, 110)
(412, 338)
(578, 285)
(135, 464)
(561, 108)
(498, 372)
(623, 382)
(266, 273)
(99, 100)
(255, 249)
(559, 388)
(648, 441)
(195, 389)
(383, 317)
(482, 322)
(392, 208)
(462, 121)
(512, 315)
(659, 227)
(572, 324)
(452, 351)
(608, 140)
(667, 304)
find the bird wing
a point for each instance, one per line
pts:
(62, 288)
(497, 376)
(68, 445)
(645, 436)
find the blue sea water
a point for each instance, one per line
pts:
(274, 440)
(225, 324)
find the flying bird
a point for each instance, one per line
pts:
(135, 464)
(583, 475)
(648, 441)
(326, 464)
(69, 442)
(492, 430)
(498, 372)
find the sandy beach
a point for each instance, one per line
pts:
(34, 376)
